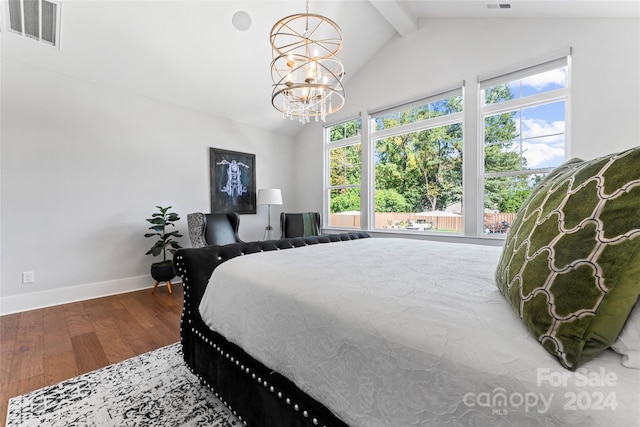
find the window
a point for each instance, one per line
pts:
(452, 164)
(344, 160)
(418, 165)
(524, 138)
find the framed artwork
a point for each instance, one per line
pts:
(233, 181)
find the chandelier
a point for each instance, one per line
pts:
(306, 71)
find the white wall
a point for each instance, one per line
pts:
(443, 53)
(82, 167)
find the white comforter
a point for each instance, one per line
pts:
(398, 332)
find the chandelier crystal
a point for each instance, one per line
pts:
(306, 70)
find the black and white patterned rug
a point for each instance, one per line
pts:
(153, 389)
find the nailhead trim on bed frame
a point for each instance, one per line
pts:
(248, 371)
(222, 254)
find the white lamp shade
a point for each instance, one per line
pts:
(269, 196)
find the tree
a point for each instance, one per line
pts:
(386, 201)
(345, 165)
(425, 167)
(505, 194)
(422, 170)
(390, 201)
(345, 200)
(345, 130)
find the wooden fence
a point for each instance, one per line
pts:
(494, 222)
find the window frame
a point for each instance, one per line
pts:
(474, 111)
(328, 146)
(419, 126)
(518, 104)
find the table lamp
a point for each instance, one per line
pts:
(269, 196)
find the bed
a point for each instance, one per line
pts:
(350, 330)
(406, 357)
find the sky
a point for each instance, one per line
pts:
(542, 127)
(542, 132)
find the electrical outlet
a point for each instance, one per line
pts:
(28, 277)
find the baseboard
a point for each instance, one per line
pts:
(34, 300)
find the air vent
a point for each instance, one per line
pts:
(36, 19)
(499, 6)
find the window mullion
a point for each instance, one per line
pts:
(344, 142)
(517, 172)
(529, 101)
(435, 122)
(343, 187)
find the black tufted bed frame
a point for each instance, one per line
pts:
(257, 395)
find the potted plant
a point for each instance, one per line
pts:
(162, 271)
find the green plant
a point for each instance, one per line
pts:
(159, 222)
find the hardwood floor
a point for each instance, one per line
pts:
(43, 347)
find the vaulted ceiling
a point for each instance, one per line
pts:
(189, 53)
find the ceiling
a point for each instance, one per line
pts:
(188, 53)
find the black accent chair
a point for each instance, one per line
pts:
(300, 224)
(213, 229)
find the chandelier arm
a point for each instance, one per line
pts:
(276, 93)
(284, 75)
(284, 23)
(331, 71)
(292, 47)
(325, 45)
(324, 20)
(330, 52)
(312, 32)
(336, 79)
(294, 32)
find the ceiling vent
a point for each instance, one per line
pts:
(499, 6)
(35, 19)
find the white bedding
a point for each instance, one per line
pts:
(399, 332)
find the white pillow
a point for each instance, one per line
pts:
(628, 342)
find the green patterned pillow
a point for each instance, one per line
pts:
(570, 266)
